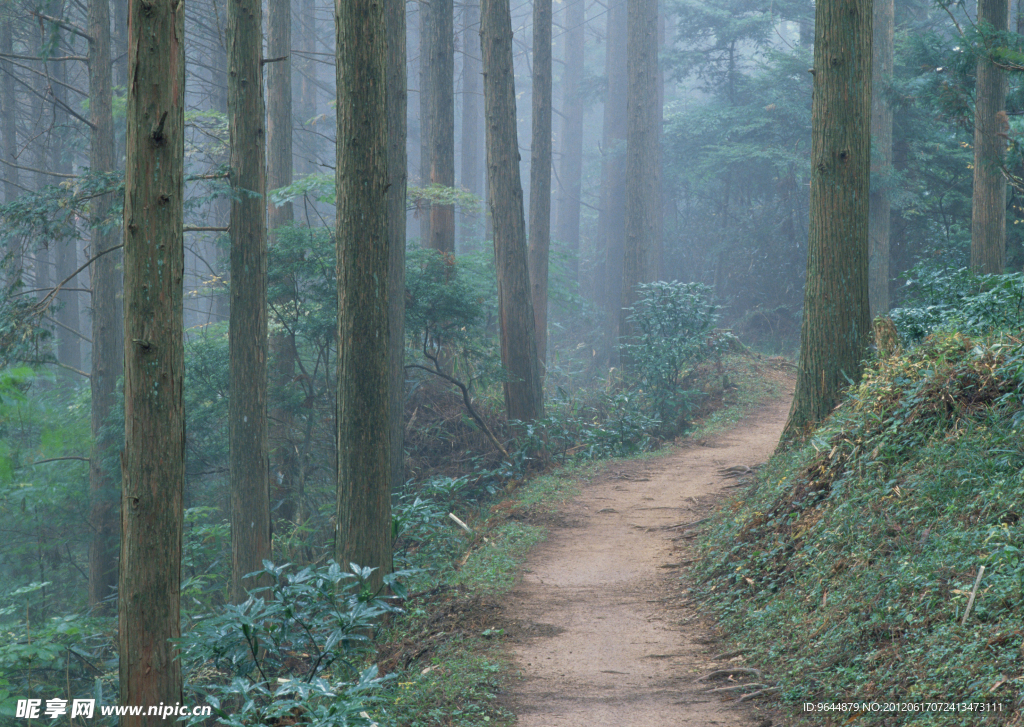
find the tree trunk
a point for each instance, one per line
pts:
(397, 109)
(426, 12)
(611, 224)
(364, 365)
(247, 404)
(65, 250)
(570, 172)
(154, 460)
(441, 102)
(222, 205)
(836, 325)
(540, 175)
(881, 132)
(470, 231)
(306, 67)
(643, 191)
(108, 358)
(279, 106)
(523, 393)
(988, 212)
(8, 130)
(284, 460)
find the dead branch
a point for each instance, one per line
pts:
(731, 672)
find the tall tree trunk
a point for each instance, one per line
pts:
(306, 72)
(364, 366)
(222, 205)
(65, 250)
(397, 110)
(426, 22)
(524, 396)
(279, 106)
(8, 130)
(643, 191)
(611, 224)
(470, 231)
(107, 321)
(836, 325)
(570, 171)
(149, 590)
(540, 175)
(285, 461)
(441, 109)
(247, 404)
(988, 211)
(880, 224)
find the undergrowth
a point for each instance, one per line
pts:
(845, 570)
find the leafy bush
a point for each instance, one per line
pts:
(293, 649)
(959, 300)
(673, 332)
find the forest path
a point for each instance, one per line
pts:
(601, 636)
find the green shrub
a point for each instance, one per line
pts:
(297, 647)
(673, 325)
(959, 300)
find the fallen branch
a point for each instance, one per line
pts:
(760, 693)
(460, 523)
(974, 592)
(731, 672)
(687, 525)
(727, 654)
(735, 687)
(465, 397)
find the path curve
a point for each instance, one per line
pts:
(601, 637)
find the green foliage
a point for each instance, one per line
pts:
(847, 567)
(68, 650)
(673, 331)
(423, 537)
(959, 300)
(297, 647)
(321, 187)
(441, 305)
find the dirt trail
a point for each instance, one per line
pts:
(602, 639)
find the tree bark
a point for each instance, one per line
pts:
(279, 106)
(397, 110)
(426, 11)
(611, 225)
(9, 132)
(540, 175)
(65, 250)
(108, 358)
(523, 393)
(881, 132)
(307, 89)
(570, 172)
(836, 325)
(643, 191)
(363, 235)
(988, 211)
(154, 459)
(471, 178)
(285, 461)
(441, 103)
(247, 404)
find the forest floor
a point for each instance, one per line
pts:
(600, 628)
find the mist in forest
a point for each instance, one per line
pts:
(569, 300)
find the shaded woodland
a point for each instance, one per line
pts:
(284, 285)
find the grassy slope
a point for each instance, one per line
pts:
(845, 570)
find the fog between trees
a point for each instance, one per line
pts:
(275, 173)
